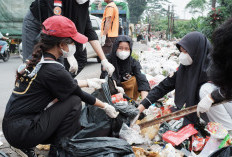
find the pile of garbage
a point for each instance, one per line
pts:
(171, 138)
(160, 59)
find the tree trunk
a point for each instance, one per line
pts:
(214, 3)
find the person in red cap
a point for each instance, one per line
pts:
(45, 104)
(75, 10)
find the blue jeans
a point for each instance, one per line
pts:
(3, 44)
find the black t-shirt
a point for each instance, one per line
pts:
(32, 95)
(78, 13)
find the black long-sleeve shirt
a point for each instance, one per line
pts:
(160, 90)
(32, 95)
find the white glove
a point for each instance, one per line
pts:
(107, 66)
(95, 83)
(103, 40)
(110, 111)
(204, 105)
(120, 90)
(73, 64)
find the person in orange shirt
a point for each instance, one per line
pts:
(110, 25)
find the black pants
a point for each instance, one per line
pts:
(57, 122)
(107, 48)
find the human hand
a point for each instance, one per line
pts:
(204, 104)
(103, 40)
(110, 111)
(95, 83)
(73, 64)
(107, 66)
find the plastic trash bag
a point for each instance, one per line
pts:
(96, 123)
(224, 152)
(96, 147)
(131, 135)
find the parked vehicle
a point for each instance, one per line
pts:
(6, 55)
(96, 24)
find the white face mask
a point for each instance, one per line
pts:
(185, 59)
(81, 1)
(71, 51)
(123, 54)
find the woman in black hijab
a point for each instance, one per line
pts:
(127, 74)
(191, 74)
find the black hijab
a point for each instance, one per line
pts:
(190, 78)
(121, 66)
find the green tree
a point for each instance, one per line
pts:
(196, 6)
(136, 9)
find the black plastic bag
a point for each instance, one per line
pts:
(223, 152)
(95, 121)
(97, 147)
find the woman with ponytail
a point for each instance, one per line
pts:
(45, 104)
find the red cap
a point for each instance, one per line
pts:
(60, 26)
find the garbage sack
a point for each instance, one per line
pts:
(224, 152)
(96, 123)
(96, 147)
(126, 114)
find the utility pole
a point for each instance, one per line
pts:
(172, 22)
(168, 31)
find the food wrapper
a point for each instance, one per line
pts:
(198, 142)
(176, 138)
(216, 130)
(116, 98)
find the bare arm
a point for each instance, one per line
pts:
(82, 83)
(97, 48)
(107, 25)
(99, 103)
(5, 38)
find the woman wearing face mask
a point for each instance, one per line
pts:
(45, 105)
(75, 10)
(191, 74)
(127, 74)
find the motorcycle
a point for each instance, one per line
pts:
(6, 55)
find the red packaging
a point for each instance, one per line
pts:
(117, 98)
(164, 111)
(198, 143)
(176, 138)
